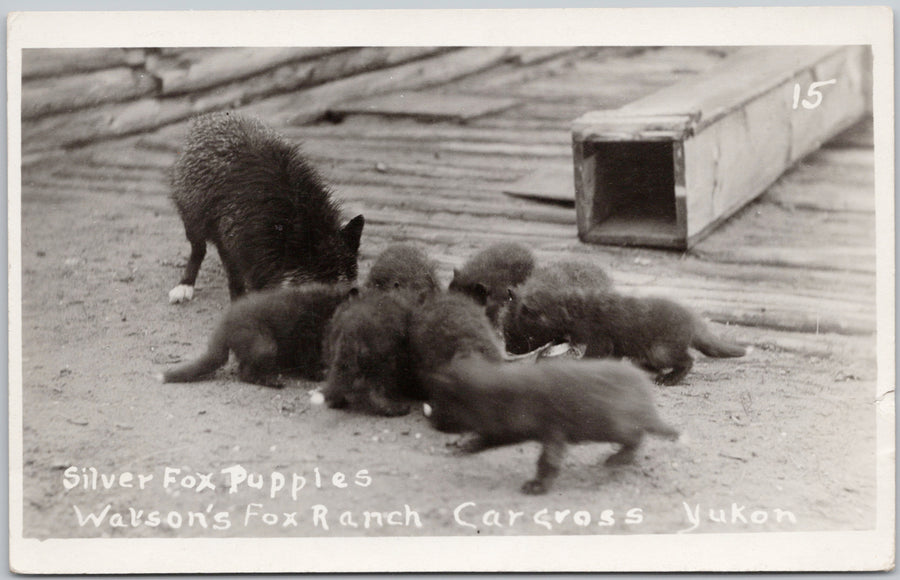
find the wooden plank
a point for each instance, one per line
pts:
(599, 77)
(533, 54)
(309, 105)
(192, 71)
(769, 234)
(860, 135)
(553, 183)
(427, 205)
(801, 305)
(435, 105)
(829, 180)
(116, 120)
(309, 73)
(740, 131)
(42, 96)
(449, 222)
(773, 310)
(372, 131)
(43, 62)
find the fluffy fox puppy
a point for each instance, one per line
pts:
(555, 402)
(568, 274)
(270, 331)
(655, 333)
(246, 189)
(445, 325)
(368, 354)
(560, 276)
(403, 267)
(487, 276)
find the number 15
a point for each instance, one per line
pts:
(812, 92)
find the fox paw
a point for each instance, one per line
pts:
(181, 293)
(534, 487)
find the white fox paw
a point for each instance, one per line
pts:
(181, 293)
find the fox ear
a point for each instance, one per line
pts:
(352, 232)
(511, 294)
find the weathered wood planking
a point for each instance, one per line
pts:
(118, 119)
(432, 105)
(44, 62)
(777, 230)
(44, 96)
(552, 183)
(307, 106)
(732, 132)
(828, 180)
(191, 71)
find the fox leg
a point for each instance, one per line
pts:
(185, 289)
(552, 454)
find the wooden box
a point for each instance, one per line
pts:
(666, 169)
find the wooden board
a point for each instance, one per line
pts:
(306, 106)
(552, 183)
(43, 62)
(44, 96)
(734, 131)
(425, 105)
(191, 71)
(153, 110)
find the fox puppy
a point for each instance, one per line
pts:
(559, 276)
(269, 331)
(445, 325)
(655, 333)
(556, 402)
(568, 274)
(403, 267)
(487, 276)
(246, 189)
(368, 354)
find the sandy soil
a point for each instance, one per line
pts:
(780, 440)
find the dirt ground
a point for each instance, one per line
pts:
(782, 439)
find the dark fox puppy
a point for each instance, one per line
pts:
(555, 403)
(403, 267)
(568, 274)
(270, 331)
(445, 325)
(368, 354)
(489, 274)
(655, 333)
(561, 276)
(252, 194)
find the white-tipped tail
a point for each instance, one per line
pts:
(159, 377)
(316, 398)
(426, 408)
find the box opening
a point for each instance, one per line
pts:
(634, 193)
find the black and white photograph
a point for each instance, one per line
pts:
(451, 290)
